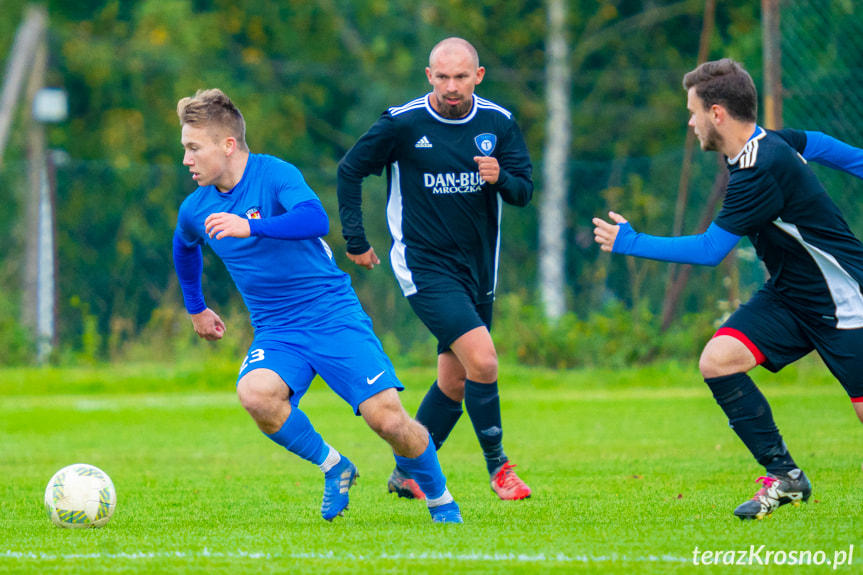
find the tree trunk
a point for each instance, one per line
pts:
(673, 287)
(675, 290)
(553, 207)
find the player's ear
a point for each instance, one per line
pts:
(229, 145)
(429, 75)
(480, 74)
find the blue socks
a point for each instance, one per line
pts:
(426, 471)
(299, 437)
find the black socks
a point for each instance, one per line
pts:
(750, 417)
(483, 405)
(439, 414)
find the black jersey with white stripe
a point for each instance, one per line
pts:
(813, 257)
(443, 219)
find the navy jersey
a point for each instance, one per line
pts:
(443, 219)
(775, 199)
(284, 283)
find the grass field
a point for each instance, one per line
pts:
(631, 471)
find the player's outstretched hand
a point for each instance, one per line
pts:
(605, 233)
(223, 225)
(368, 260)
(208, 325)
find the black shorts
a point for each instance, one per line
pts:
(449, 312)
(778, 335)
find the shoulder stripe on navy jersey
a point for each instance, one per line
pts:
(750, 154)
(412, 105)
(489, 105)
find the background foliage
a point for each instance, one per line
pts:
(310, 77)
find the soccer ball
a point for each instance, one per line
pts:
(79, 496)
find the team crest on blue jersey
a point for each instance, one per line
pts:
(486, 143)
(253, 213)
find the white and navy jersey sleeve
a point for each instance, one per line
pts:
(775, 199)
(754, 197)
(515, 184)
(370, 155)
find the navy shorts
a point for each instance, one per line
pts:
(345, 352)
(778, 335)
(449, 312)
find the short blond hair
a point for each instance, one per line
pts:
(213, 109)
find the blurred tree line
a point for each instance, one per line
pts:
(310, 77)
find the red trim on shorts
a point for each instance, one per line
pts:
(857, 400)
(741, 337)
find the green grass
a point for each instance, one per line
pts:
(631, 471)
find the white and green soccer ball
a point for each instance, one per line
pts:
(79, 496)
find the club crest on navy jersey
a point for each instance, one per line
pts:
(486, 143)
(253, 213)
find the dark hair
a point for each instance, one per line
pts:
(726, 83)
(212, 108)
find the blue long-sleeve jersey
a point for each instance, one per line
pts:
(285, 271)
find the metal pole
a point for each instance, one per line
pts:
(35, 163)
(38, 297)
(45, 297)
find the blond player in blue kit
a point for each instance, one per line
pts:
(261, 218)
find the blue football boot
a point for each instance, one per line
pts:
(337, 483)
(446, 513)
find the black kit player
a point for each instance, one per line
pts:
(452, 158)
(812, 300)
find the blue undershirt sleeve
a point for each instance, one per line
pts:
(833, 153)
(707, 249)
(189, 263)
(306, 220)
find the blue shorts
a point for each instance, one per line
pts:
(345, 352)
(778, 334)
(449, 312)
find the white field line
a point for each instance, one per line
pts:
(435, 556)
